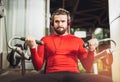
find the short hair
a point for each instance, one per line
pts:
(60, 11)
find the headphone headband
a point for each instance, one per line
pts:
(61, 11)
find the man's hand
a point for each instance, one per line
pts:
(30, 42)
(93, 44)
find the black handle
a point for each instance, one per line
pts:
(37, 41)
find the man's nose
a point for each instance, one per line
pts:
(60, 24)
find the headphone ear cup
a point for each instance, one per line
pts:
(69, 22)
(51, 22)
(51, 26)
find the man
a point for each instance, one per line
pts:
(61, 52)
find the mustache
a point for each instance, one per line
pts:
(59, 27)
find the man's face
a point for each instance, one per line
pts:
(60, 24)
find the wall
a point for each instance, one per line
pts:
(114, 11)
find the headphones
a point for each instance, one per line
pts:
(60, 11)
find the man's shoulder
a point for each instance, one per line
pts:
(75, 37)
(46, 37)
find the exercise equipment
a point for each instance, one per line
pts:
(19, 50)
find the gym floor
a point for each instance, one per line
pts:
(12, 74)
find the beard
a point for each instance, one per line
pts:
(60, 30)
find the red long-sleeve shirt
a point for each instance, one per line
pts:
(61, 54)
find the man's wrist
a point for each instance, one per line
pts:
(33, 47)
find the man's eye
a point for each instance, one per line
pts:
(56, 21)
(63, 21)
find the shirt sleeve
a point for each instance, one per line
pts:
(37, 56)
(86, 58)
